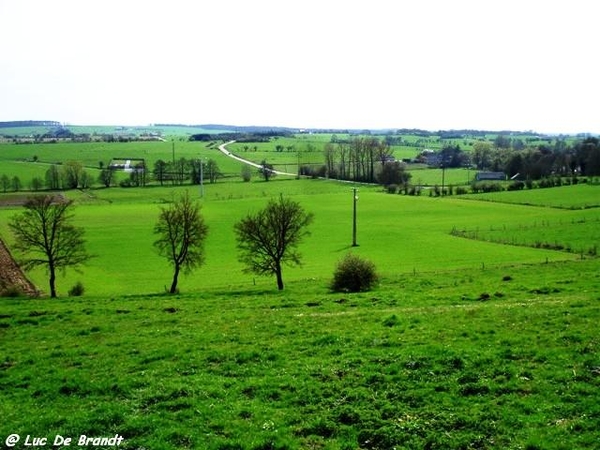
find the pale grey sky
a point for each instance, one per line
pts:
(431, 64)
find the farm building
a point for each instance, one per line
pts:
(128, 164)
(490, 176)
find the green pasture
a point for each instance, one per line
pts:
(401, 234)
(169, 130)
(92, 154)
(26, 171)
(431, 177)
(478, 335)
(24, 131)
(303, 149)
(502, 358)
(575, 229)
(578, 196)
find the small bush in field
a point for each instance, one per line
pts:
(77, 290)
(354, 274)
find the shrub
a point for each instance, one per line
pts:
(246, 173)
(353, 274)
(516, 186)
(77, 290)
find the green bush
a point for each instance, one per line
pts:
(353, 274)
(77, 290)
(392, 188)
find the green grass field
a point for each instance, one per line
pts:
(303, 149)
(492, 359)
(400, 234)
(568, 197)
(478, 335)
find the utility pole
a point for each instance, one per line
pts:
(443, 176)
(354, 200)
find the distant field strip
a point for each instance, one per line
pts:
(580, 196)
(581, 235)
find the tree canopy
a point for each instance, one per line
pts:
(270, 238)
(181, 234)
(44, 233)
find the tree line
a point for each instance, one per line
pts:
(29, 123)
(184, 170)
(529, 162)
(46, 236)
(541, 161)
(74, 175)
(363, 159)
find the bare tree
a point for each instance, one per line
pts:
(45, 231)
(269, 238)
(181, 234)
(329, 153)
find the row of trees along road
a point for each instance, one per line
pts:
(73, 175)
(45, 236)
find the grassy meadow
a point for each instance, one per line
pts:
(400, 234)
(481, 333)
(501, 358)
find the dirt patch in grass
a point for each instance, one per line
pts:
(19, 199)
(12, 278)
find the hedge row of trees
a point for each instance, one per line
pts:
(363, 159)
(46, 236)
(530, 163)
(184, 170)
(487, 186)
(542, 161)
(359, 159)
(70, 175)
(73, 175)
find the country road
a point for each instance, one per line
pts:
(224, 150)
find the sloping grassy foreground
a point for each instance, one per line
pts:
(504, 358)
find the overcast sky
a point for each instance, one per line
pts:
(430, 64)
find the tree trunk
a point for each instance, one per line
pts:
(174, 283)
(279, 277)
(52, 282)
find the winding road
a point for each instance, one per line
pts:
(224, 150)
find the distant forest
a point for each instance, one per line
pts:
(30, 123)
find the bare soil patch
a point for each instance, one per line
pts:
(19, 199)
(11, 275)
